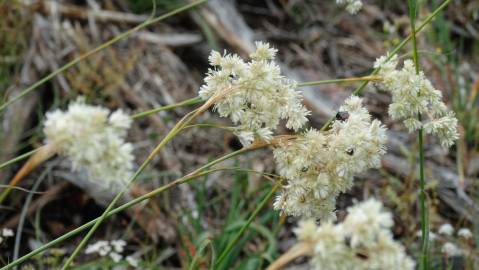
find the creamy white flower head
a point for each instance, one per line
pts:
(362, 242)
(94, 139)
(414, 95)
(352, 6)
(256, 95)
(321, 165)
(464, 233)
(451, 249)
(446, 229)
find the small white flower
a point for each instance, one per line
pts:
(256, 95)
(94, 139)
(446, 229)
(451, 249)
(464, 233)
(132, 261)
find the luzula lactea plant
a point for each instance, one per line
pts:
(317, 165)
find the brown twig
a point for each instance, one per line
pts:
(298, 250)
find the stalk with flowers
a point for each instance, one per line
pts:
(314, 166)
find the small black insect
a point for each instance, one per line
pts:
(362, 255)
(350, 152)
(342, 116)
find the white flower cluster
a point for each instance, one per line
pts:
(451, 250)
(446, 229)
(92, 138)
(362, 241)
(352, 6)
(464, 233)
(256, 95)
(113, 249)
(414, 95)
(6, 233)
(320, 165)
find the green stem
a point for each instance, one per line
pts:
(246, 225)
(195, 174)
(99, 48)
(423, 264)
(188, 102)
(343, 80)
(16, 159)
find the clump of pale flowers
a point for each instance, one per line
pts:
(362, 241)
(352, 6)
(413, 95)
(319, 166)
(112, 249)
(92, 138)
(254, 94)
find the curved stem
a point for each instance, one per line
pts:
(99, 48)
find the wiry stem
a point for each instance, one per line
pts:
(423, 265)
(344, 80)
(238, 236)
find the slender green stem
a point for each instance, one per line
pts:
(238, 236)
(195, 174)
(423, 264)
(16, 159)
(99, 48)
(188, 102)
(344, 80)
